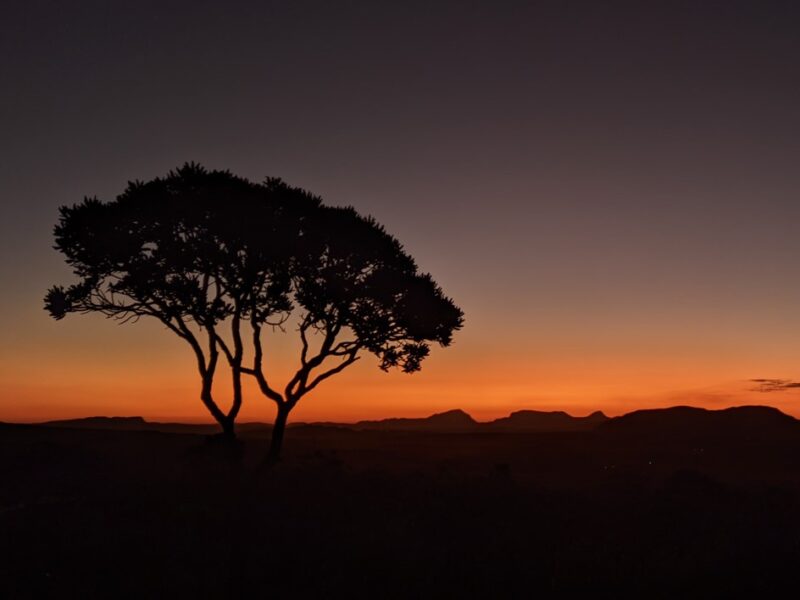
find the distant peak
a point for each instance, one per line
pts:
(452, 416)
(598, 414)
(455, 419)
(756, 409)
(763, 421)
(529, 412)
(97, 422)
(539, 420)
(98, 419)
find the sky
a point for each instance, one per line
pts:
(607, 189)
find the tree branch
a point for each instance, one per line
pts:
(258, 371)
(329, 373)
(298, 385)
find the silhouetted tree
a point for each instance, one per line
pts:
(208, 253)
(193, 250)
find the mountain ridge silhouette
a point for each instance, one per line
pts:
(677, 420)
(536, 420)
(747, 421)
(451, 420)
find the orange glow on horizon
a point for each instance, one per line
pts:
(86, 366)
(485, 390)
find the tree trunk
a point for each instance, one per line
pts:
(277, 434)
(228, 429)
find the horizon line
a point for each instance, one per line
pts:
(180, 420)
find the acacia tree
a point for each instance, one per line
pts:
(208, 254)
(196, 250)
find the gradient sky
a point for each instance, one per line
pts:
(608, 189)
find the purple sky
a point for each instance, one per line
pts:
(594, 183)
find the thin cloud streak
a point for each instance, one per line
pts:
(774, 385)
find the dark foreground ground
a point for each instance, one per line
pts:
(137, 514)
